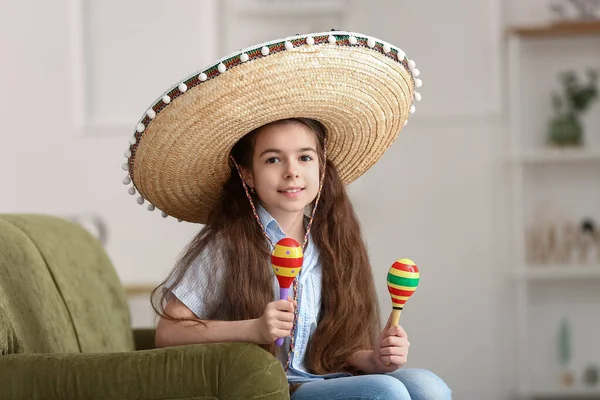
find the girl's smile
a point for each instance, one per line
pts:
(292, 192)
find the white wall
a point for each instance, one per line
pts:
(51, 165)
(439, 195)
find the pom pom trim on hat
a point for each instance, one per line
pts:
(335, 38)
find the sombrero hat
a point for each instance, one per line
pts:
(360, 88)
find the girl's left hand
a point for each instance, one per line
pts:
(390, 348)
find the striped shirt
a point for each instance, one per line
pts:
(194, 286)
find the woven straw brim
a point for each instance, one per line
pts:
(362, 97)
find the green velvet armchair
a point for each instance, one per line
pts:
(65, 330)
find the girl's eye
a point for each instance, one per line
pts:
(306, 158)
(272, 160)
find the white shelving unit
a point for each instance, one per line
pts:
(570, 177)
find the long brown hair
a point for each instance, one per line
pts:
(349, 315)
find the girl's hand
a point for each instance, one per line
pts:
(391, 347)
(276, 321)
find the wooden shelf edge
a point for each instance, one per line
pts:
(559, 29)
(137, 290)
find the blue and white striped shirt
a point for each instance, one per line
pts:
(193, 287)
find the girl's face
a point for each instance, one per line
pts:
(285, 168)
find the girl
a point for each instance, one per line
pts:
(312, 130)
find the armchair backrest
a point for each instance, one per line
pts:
(58, 290)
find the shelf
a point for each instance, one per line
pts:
(559, 155)
(566, 393)
(561, 272)
(564, 179)
(138, 289)
(558, 30)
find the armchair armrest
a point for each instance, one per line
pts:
(144, 338)
(220, 370)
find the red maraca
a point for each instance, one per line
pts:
(286, 260)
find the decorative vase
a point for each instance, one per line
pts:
(564, 353)
(590, 375)
(566, 130)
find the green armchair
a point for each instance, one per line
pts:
(65, 330)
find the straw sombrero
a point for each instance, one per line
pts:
(360, 88)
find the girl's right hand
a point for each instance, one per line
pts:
(276, 321)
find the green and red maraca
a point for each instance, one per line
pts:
(402, 281)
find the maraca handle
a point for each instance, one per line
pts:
(283, 295)
(395, 317)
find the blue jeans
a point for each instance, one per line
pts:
(402, 384)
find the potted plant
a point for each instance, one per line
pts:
(566, 128)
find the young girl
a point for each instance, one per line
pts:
(319, 111)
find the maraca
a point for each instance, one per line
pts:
(402, 281)
(286, 260)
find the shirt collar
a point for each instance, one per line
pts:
(270, 223)
(267, 219)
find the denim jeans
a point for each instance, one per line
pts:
(402, 384)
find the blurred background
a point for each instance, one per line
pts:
(493, 188)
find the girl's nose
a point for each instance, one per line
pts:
(292, 171)
(291, 174)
